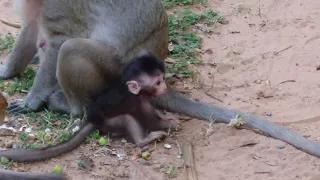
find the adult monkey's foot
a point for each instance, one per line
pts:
(57, 102)
(23, 106)
(5, 73)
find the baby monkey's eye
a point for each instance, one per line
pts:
(158, 83)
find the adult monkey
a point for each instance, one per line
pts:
(87, 44)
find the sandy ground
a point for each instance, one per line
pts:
(265, 43)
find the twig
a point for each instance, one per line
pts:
(27, 120)
(210, 95)
(270, 164)
(287, 81)
(11, 24)
(179, 148)
(169, 60)
(278, 52)
(184, 119)
(189, 161)
(259, 13)
(262, 172)
(3, 107)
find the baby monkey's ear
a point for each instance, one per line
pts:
(133, 87)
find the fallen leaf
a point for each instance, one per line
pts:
(250, 142)
(85, 162)
(169, 60)
(208, 51)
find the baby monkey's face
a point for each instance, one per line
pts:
(154, 84)
(159, 85)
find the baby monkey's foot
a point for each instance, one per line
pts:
(154, 135)
(174, 126)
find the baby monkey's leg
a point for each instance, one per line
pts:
(132, 127)
(160, 122)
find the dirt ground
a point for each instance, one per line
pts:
(265, 43)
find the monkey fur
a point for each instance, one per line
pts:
(81, 45)
(127, 108)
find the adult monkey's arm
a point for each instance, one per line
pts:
(175, 102)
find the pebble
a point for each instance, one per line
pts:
(75, 129)
(31, 137)
(268, 113)
(258, 81)
(47, 130)
(280, 147)
(28, 130)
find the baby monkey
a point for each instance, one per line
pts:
(127, 108)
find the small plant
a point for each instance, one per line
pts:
(81, 163)
(172, 171)
(20, 84)
(94, 136)
(212, 17)
(5, 163)
(6, 44)
(48, 119)
(172, 3)
(48, 129)
(23, 137)
(184, 42)
(210, 125)
(65, 136)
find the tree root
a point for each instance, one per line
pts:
(189, 164)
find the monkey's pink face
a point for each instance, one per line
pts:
(156, 85)
(159, 86)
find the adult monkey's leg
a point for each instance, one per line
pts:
(84, 69)
(25, 47)
(57, 102)
(45, 82)
(22, 53)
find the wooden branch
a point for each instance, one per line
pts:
(3, 108)
(189, 164)
(11, 24)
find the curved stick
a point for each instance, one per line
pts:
(11, 24)
(175, 102)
